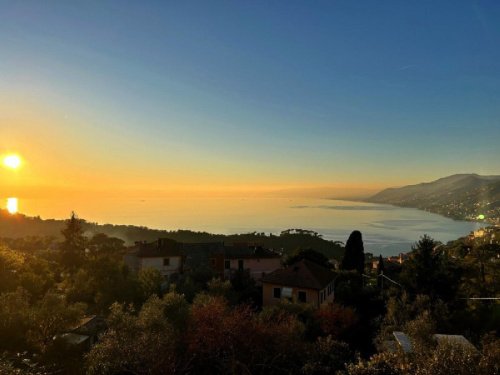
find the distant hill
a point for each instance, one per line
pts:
(21, 226)
(460, 196)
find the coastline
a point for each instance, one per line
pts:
(486, 221)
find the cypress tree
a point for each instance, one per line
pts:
(354, 256)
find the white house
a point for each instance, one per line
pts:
(164, 255)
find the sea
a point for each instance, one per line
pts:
(386, 229)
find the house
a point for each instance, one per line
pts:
(85, 333)
(164, 255)
(171, 257)
(201, 254)
(304, 281)
(257, 260)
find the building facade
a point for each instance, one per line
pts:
(303, 282)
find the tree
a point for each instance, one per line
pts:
(429, 272)
(151, 282)
(73, 246)
(50, 316)
(354, 256)
(102, 281)
(136, 344)
(103, 245)
(14, 319)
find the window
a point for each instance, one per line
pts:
(227, 264)
(302, 296)
(277, 292)
(166, 261)
(240, 264)
(287, 293)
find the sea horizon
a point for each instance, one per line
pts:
(387, 229)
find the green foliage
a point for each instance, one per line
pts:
(176, 310)
(151, 282)
(10, 264)
(100, 282)
(133, 342)
(50, 316)
(36, 276)
(33, 325)
(14, 319)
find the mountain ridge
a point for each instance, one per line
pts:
(465, 196)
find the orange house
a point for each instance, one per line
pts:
(304, 281)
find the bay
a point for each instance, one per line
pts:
(387, 230)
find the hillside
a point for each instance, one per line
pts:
(20, 226)
(460, 196)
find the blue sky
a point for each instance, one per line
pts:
(251, 92)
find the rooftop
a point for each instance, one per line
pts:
(303, 274)
(240, 251)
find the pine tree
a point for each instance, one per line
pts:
(73, 246)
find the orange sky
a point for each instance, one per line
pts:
(64, 155)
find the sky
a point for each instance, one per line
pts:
(246, 97)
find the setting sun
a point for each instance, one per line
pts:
(12, 161)
(12, 205)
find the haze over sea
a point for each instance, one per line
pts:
(386, 229)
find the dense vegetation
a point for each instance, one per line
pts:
(203, 325)
(21, 228)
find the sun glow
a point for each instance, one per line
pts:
(12, 205)
(12, 161)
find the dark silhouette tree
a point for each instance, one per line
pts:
(354, 256)
(430, 272)
(73, 246)
(418, 271)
